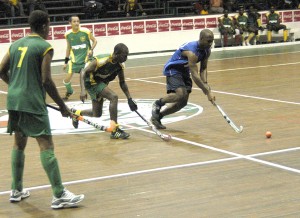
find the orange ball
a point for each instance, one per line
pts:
(268, 134)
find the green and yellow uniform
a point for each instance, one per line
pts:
(80, 46)
(274, 24)
(26, 57)
(105, 72)
(273, 18)
(226, 24)
(242, 21)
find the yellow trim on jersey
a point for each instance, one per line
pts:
(72, 55)
(81, 29)
(70, 67)
(86, 30)
(275, 12)
(47, 50)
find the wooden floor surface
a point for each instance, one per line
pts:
(206, 170)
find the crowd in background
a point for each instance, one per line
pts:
(204, 7)
(97, 8)
(14, 8)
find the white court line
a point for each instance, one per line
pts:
(237, 157)
(229, 93)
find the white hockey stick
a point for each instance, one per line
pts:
(162, 136)
(228, 120)
(83, 119)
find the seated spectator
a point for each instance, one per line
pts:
(216, 6)
(36, 5)
(110, 5)
(226, 27)
(260, 5)
(133, 8)
(274, 24)
(205, 10)
(199, 5)
(290, 4)
(241, 22)
(93, 9)
(244, 3)
(5, 7)
(16, 6)
(254, 24)
(230, 5)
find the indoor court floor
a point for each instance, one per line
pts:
(206, 170)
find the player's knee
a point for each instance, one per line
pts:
(113, 98)
(97, 113)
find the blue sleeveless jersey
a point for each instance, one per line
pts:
(179, 63)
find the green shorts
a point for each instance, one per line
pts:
(31, 125)
(74, 68)
(94, 90)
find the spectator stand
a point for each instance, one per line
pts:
(180, 7)
(62, 10)
(149, 7)
(276, 37)
(57, 10)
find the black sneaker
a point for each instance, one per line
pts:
(156, 109)
(156, 122)
(119, 134)
(67, 96)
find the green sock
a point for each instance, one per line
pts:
(17, 168)
(50, 165)
(68, 87)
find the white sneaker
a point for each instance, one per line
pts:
(16, 196)
(67, 199)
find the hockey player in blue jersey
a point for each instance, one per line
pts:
(179, 70)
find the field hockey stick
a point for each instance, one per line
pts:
(228, 120)
(164, 137)
(81, 118)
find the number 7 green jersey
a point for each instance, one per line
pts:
(25, 90)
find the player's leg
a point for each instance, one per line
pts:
(42, 132)
(112, 97)
(238, 36)
(95, 111)
(17, 157)
(71, 69)
(269, 33)
(61, 196)
(17, 165)
(251, 31)
(176, 99)
(184, 88)
(285, 32)
(67, 81)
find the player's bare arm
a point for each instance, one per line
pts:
(49, 85)
(94, 43)
(123, 84)
(4, 68)
(91, 67)
(203, 76)
(192, 63)
(68, 51)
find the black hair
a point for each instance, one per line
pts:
(120, 47)
(37, 19)
(70, 18)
